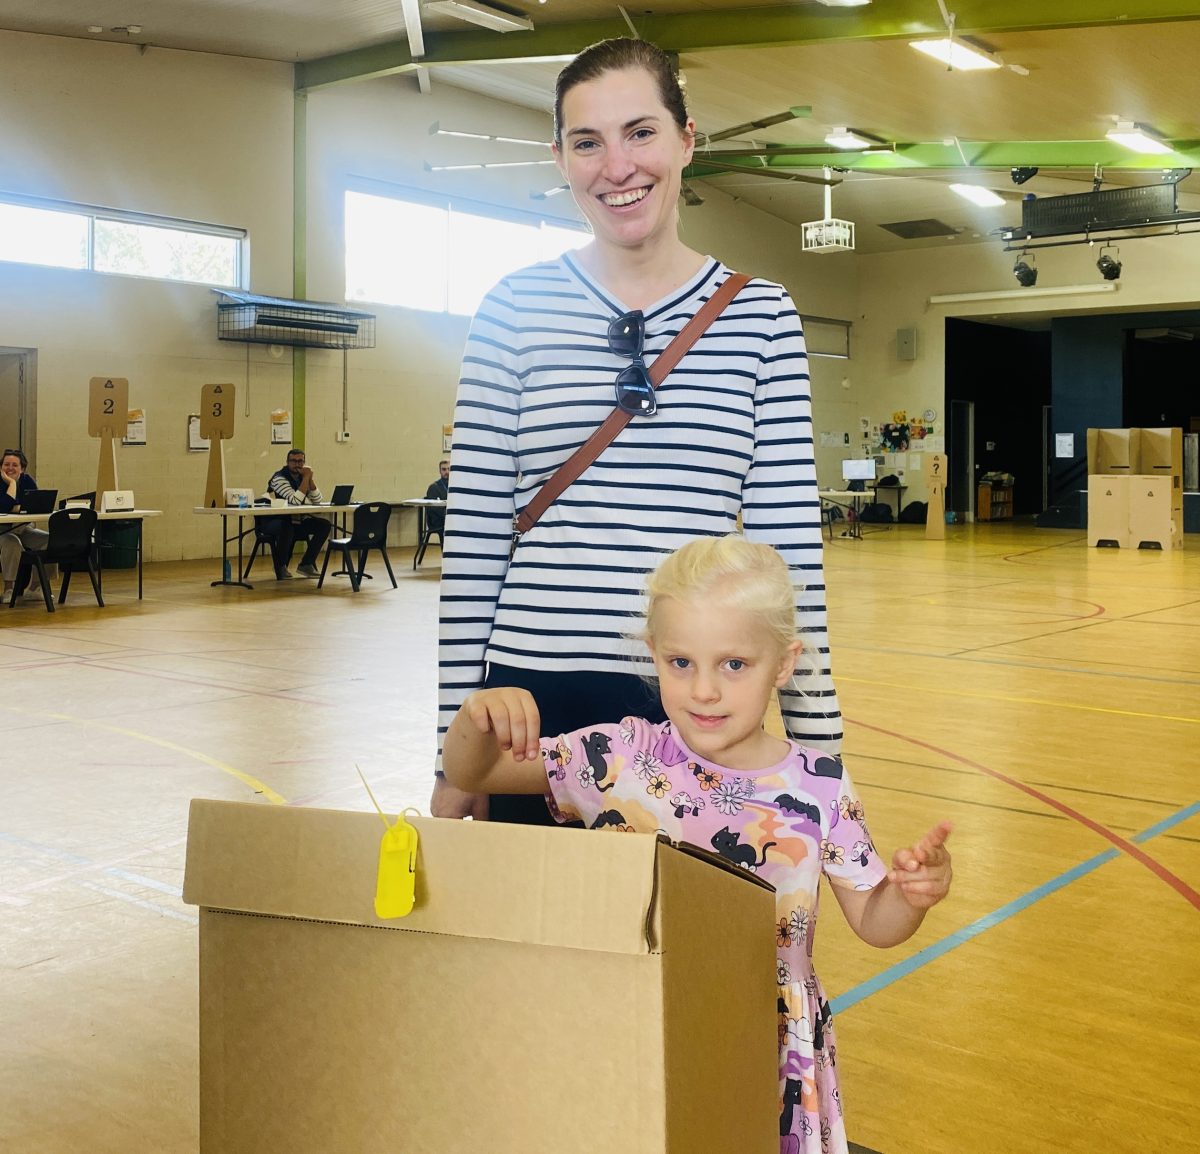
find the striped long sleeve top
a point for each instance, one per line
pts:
(733, 432)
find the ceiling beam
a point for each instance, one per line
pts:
(1045, 154)
(743, 28)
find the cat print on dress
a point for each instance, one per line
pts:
(728, 845)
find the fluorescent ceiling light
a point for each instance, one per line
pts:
(485, 164)
(844, 3)
(977, 194)
(954, 53)
(436, 129)
(1137, 138)
(851, 138)
(484, 15)
(1062, 290)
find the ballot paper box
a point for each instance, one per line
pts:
(554, 991)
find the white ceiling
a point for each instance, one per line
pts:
(1074, 81)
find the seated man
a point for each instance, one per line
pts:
(295, 484)
(435, 519)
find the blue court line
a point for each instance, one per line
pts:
(923, 957)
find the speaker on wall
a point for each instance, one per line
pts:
(906, 344)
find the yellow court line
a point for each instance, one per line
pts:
(1024, 700)
(252, 782)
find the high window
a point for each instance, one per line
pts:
(130, 244)
(437, 256)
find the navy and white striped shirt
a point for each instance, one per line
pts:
(733, 432)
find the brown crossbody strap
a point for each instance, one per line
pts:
(573, 467)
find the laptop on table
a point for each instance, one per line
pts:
(341, 494)
(38, 501)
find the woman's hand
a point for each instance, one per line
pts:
(922, 872)
(511, 715)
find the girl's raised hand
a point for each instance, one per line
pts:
(512, 715)
(923, 872)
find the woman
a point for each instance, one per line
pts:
(14, 539)
(732, 433)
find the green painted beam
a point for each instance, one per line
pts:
(979, 154)
(299, 256)
(743, 28)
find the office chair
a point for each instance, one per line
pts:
(369, 532)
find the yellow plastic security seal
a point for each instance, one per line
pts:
(396, 886)
(396, 881)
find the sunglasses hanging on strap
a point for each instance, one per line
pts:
(635, 393)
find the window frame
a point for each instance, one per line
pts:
(93, 213)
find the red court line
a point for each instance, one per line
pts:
(1135, 852)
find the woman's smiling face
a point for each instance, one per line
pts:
(623, 156)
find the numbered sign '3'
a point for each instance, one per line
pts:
(108, 406)
(216, 412)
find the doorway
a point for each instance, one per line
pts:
(1003, 373)
(18, 401)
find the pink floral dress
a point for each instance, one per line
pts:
(789, 824)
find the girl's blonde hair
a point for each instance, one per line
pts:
(732, 571)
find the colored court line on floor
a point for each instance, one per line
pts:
(960, 937)
(251, 782)
(1126, 846)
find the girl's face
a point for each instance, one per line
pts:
(10, 467)
(623, 157)
(717, 669)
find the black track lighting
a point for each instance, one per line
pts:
(1025, 272)
(1021, 175)
(1109, 266)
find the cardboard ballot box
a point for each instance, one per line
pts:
(553, 991)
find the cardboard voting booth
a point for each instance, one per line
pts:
(1135, 488)
(552, 990)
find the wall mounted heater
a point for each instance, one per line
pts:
(247, 317)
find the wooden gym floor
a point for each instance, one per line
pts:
(1043, 696)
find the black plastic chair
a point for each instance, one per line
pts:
(369, 532)
(71, 546)
(426, 535)
(261, 541)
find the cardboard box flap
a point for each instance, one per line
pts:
(554, 887)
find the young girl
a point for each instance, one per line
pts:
(720, 627)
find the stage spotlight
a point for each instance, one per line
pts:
(1021, 175)
(1110, 267)
(1025, 272)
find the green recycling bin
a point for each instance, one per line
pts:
(118, 544)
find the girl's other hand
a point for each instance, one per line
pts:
(923, 871)
(512, 715)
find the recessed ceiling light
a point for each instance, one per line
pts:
(94, 29)
(1137, 137)
(956, 54)
(844, 3)
(977, 194)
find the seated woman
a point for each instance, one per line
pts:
(14, 481)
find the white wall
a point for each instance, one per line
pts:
(179, 134)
